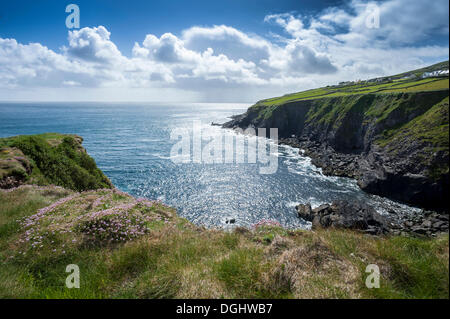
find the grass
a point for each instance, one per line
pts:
(396, 86)
(174, 259)
(432, 127)
(50, 158)
(429, 132)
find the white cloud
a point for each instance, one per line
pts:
(402, 22)
(93, 45)
(227, 40)
(222, 62)
(291, 24)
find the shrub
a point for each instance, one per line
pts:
(64, 165)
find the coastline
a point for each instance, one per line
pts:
(397, 221)
(391, 154)
(129, 247)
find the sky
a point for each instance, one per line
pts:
(210, 51)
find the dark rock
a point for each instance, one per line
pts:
(419, 230)
(426, 224)
(316, 223)
(343, 214)
(304, 212)
(360, 216)
(438, 224)
(322, 209)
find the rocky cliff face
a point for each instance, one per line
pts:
(395, 145)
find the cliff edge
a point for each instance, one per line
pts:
(394, 140)
(49, 158)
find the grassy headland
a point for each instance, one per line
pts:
(411, 81)
(49, 158)
(390, 133)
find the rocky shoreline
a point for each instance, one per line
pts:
(376, 172)
(362, 217)
(394, 145)
(355, 215)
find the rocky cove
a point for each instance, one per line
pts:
(142, 248)
(395, 145)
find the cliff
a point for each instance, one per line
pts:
(49, 158)
(395, 144)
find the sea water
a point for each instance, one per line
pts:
(131, 144)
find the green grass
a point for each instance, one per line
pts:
(175, 259)
(416, 268)
(429, 132)
(240, 271)
(432, 127)
(54, 159)
(404, 123)
(21, 203)
(401, 85)
(419, 87)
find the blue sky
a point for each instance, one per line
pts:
(210, 51)
(34, 21)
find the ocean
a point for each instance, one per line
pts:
(131, 143)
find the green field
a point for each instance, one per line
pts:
(405, 82)
(429, 84)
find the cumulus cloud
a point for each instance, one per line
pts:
(170, 51)
(291, 24)
(93, 45)
(30, 64)
(220, 61)
(227, 40)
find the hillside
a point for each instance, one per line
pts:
(48, 158)
(136, 248)
(392, 137)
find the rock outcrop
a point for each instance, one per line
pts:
(360, 216)
(344, 214)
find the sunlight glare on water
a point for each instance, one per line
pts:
(131, 144)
